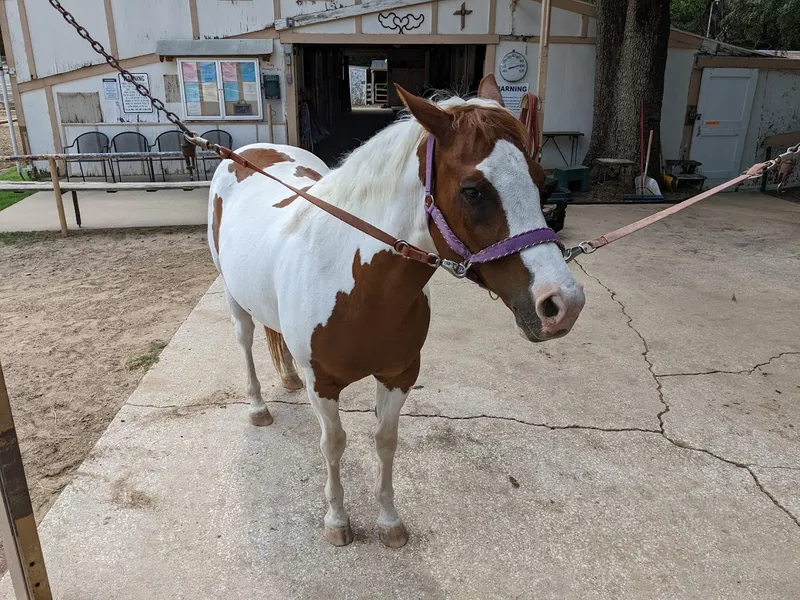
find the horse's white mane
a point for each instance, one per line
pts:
(372, 173)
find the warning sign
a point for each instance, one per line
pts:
(512, 94)
(132, 101)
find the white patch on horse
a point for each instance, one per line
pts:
(507, 170)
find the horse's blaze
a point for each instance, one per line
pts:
(263, 158)
(384, 330)
(307, 173)
(216, 220)
(287, 201)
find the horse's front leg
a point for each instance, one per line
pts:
(390, 400)
(332, 443)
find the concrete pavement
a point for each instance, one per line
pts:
(101, 210)
(652, 453)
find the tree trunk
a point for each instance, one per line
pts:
(632, 40)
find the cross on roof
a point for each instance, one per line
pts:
(463, 12)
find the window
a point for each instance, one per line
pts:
(220, 89)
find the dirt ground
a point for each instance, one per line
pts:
(81, 319)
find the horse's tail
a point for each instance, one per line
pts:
(275, 343)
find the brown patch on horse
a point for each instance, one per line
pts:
(216, 220)
(287, 201)
(307, 173)
(260, 157)
(377, 329)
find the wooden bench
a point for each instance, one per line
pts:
(93, 186)
(623, 167)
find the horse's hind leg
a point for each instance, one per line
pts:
(244, 327)
(283, 360)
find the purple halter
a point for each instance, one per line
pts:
(511, 245)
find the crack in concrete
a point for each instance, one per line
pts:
(660, 416)
(749, 371)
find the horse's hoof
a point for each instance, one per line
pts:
(339, 536)
(261, 418)
(395, 536)
(292, 384)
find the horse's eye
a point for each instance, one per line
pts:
(471, 193)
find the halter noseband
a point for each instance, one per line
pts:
(511, 245)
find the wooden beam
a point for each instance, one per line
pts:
(748, 62)
(276, 10)
(584, 26)
(358, 19)
(489, 60)
(492, 15)
(691, 101)
(6, 35)
(26, 37)
(290, 73)
(556, 39)
(91, 71)
(195, 19)
(62, 218)
(368, 7)
(381, 39)
(582, 8)
(112, 32)
(51, 111)
(435, 17)
(692, 40)
(544, 52)
(784, 139)
(21, 543)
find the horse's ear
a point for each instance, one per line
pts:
(489, 89)
(430, 116)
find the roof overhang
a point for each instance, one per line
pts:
(212, 48)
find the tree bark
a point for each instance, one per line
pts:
(632, 40)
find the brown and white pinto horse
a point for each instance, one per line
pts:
(343, 306)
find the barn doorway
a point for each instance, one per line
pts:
(346, 93)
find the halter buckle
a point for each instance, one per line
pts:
(456, 269)
(571, 254)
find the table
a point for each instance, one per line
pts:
(550, 136)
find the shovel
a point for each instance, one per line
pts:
(647, 186)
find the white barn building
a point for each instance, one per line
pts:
(277, 70)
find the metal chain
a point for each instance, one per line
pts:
(126, 75)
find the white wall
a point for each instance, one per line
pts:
(570, 92)
(569, 102)
(524, 18)
(140, 24)
(220, 19)
(17, 43)
(776, 111)
(676, 92)
(57, 47)
(290, 8)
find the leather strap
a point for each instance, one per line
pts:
(599, 242)
(401, 246)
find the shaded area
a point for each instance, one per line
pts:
(350, 131)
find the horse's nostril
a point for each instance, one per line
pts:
(549, 308)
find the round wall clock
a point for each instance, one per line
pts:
(513, 66)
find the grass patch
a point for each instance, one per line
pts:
(148, 359)
(9, 198)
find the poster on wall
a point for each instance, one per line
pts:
(110, 89)
(512, 94)
(132, 101)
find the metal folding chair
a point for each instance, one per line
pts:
(92, 142)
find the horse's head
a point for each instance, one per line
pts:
(488, 190)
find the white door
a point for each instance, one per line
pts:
(723, 114)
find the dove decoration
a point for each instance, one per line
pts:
(393, 22)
